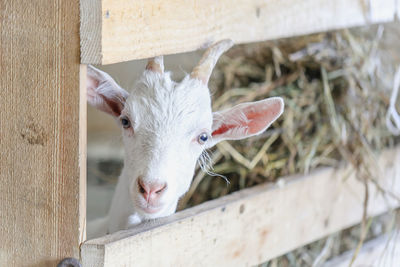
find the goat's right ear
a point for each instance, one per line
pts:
(104, 93)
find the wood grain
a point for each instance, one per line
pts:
(252, 225)
(121, 30)
(42, 144)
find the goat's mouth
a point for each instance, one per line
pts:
(151, 210)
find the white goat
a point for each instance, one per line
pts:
(165, 127)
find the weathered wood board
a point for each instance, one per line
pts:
(252, 225)
(120, 30)
(42, 133)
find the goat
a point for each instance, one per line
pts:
(166, 126)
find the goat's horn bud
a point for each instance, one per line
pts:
(156, 64)
(207, 63)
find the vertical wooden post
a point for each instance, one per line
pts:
(42, 133)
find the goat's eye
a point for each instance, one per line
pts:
(202, 138)
(125, 122)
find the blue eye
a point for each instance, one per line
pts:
(125, 122)
(203, 137)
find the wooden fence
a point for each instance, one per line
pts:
(43, 132)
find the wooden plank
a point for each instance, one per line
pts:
(383, 251)
(42, 129)
(121, 30)
(252, 225)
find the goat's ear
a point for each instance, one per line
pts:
(104, 93)
(245, 120)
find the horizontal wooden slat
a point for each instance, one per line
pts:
(252, 225)
(120, 30)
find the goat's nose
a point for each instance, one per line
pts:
(151, 191)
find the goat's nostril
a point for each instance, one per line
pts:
(142, 187)
(161, 189)
(151, 191)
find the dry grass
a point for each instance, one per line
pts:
(336, 88)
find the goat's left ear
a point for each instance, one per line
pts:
(245, 120)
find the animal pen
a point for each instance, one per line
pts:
(45, 46)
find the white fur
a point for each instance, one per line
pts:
(162, 145)
(166, 118)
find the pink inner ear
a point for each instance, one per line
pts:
(111, 105)
(256, 122)
(223, 129)
(91, 83)
(259, 116)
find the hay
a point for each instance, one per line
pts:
(336, 88)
